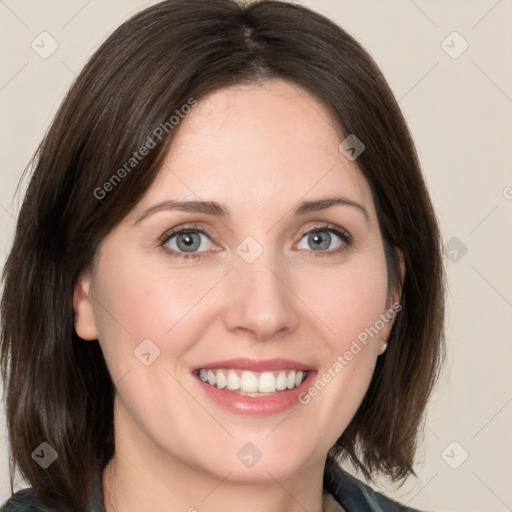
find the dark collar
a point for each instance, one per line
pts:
(355, 496)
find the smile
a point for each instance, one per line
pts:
(250, 383)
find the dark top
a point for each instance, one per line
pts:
(352, 494)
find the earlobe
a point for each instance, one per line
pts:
(394, 306)
(85, 323)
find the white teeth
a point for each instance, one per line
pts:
(248, 382)
(281, 381)
(252, 383)
(267, 383)
(233, 382)
(221, 380)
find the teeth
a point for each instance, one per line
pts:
(233, 381)
(222, 382)
(281, 381)
(267, 383)
(251, 383)
(248, 382)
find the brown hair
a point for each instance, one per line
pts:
(58, 388)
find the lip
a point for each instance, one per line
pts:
(256, 406)
(256, 365)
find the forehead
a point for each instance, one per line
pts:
(264, 146)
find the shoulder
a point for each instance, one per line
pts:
(355, 496)
(24, 501)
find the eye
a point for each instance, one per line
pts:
(187, 242)
(328, 239)
(195, 242)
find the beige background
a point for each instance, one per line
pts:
(460, 113)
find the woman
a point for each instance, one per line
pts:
(226, 227)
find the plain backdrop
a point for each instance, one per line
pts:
(449, 65)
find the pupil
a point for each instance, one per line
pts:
(189, 241)
(321, 240)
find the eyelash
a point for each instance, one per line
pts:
(192, 228)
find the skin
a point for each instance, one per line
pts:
(258, 150)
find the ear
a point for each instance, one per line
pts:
(85, 323)
(395, 297)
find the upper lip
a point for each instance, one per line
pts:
(256, 365)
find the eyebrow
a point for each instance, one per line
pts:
(217, 210)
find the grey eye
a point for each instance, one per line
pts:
(320, 240)
(189, 241)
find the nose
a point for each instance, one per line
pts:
(259, 299)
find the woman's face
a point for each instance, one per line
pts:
(272, 266)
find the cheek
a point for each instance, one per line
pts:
(137, 299)
(349, 303)
(347, 299)
(334, 397)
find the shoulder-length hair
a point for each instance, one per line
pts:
(57, 388)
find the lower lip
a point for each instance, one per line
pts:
(256, 406)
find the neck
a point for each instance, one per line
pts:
(136, 480)
(128, 489)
